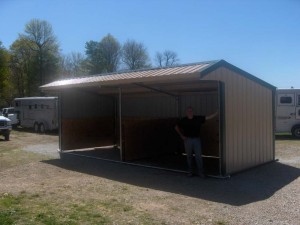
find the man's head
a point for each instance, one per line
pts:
(189, 112)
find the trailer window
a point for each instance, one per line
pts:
(298, 100)
(10, 111)
(286, 100)
(29, 106)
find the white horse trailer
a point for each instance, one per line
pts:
(39, 113)
(288, 111)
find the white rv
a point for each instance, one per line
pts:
(39, 113)
(288, 111)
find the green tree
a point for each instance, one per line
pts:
(6, 90)
(135, 55)
(103, 56)
(44, 52)
(23, 67)
(94, 61)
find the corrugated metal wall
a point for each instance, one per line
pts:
(248, 121)
(202, 103)
(164, 106)
(149, 121)
(87, 120)
(153, 105)
(82, 104)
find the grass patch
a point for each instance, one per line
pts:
(115, 205)
(11, 153)
(26, 208)
(14, 157)
(9, 209)
(32, 209)
(221, 223)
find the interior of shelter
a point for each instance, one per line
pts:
(134, 123)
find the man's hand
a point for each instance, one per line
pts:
(211, 116)
(180, 134)
(183, 137)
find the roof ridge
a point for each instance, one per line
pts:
(166, 67)
(144, 69)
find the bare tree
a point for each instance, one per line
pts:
(72, 65)
(135, 55)
(167, 58)
(40, 32)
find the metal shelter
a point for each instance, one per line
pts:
(135, 111)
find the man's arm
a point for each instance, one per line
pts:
(179, 132)
(211, 116)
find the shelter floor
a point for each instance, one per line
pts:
(172, 161)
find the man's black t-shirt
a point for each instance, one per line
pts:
(191, 127)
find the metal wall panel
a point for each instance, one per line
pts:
(164, 106)
(248, 121)
(81, 104)
(87, 120)
(202, 103)
(157, 106)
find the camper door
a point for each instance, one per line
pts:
(298, 106)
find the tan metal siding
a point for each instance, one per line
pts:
(163, 106)
(78, 104)
(203, 103)
(87, 120)
(248, 120)
(157, 106)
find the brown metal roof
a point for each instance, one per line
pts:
(127, 77)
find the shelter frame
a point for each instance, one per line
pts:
(179, 96)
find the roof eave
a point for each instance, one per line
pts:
(121, 82)
(223, 63)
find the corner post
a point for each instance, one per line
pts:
(120, 124)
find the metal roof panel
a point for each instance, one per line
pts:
(129, 76)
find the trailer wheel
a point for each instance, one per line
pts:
(6, 137)
(42, 128)
(296, 131)
(36, 127)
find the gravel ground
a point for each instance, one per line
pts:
(49, 149)
(266, 195)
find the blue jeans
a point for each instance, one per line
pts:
(193, 145)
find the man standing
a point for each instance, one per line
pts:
(188, 129)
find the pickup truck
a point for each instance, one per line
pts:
(11, 114)
(5, 127)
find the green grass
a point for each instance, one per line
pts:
(26, 208)
(33, 209)
(14, 157)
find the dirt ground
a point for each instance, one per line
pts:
(269, 194)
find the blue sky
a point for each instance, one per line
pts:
(261, 37)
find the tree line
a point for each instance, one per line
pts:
(34, 59)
